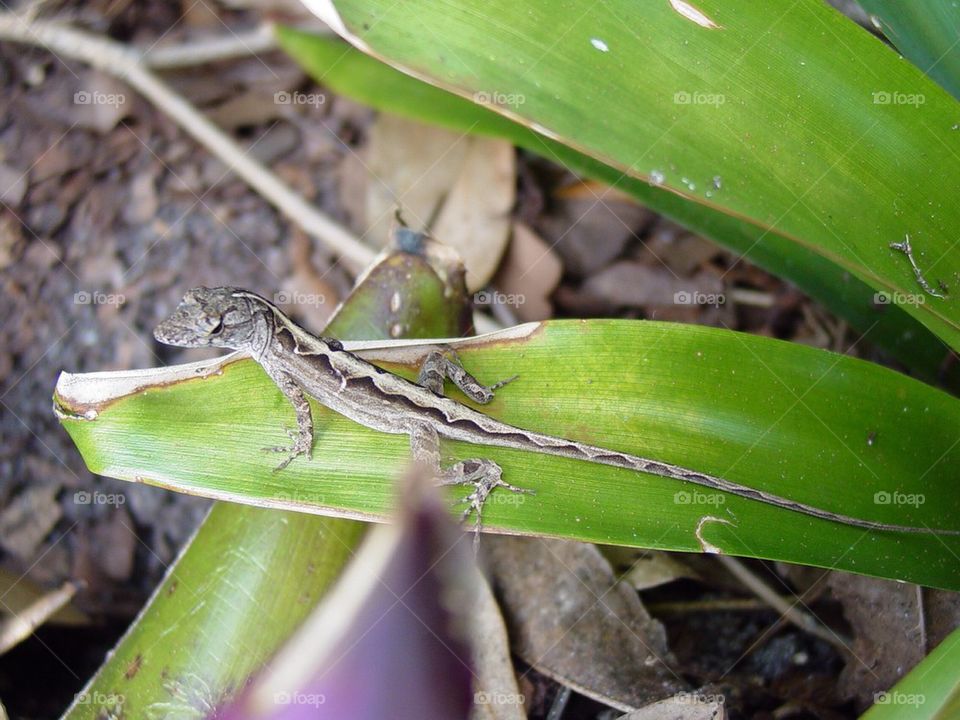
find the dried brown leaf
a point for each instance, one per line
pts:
(475, 218)
(571, 620)
(412, 166)
(530, 272)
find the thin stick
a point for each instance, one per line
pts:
(209, 50)
(787, 609)
(127, 65)
(688, 607)
(21, 625)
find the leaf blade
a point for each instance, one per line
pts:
(349, 72)
(926, 33)
(816, 427)
(824, 164)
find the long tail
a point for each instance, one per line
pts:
(513, 437)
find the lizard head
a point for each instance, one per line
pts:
(210, 317)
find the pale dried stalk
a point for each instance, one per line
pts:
(128, 65)
(200, 52)
(787, 608)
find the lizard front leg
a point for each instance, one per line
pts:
(437, 367)
(303, 436)
(484, 475)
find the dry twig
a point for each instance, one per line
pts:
(129, 65)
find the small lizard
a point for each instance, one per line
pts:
(301, 364)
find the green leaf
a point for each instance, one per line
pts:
(828, 430)
(926, 32)
(931, 691)
(358, 76)
(247, 580)
(778, 100)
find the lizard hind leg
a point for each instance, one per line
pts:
(484, 476)
(437, 367)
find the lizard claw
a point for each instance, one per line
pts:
(294, 454)
(299, 448)
(485, 476)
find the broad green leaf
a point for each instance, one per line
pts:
(819, 428)
(356, 75)
(926, 32)
(247, 580)
(778, 103)
(250, 576)
(931, 691)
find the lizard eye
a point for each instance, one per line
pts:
(218, 328)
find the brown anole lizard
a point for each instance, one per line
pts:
(302, 364)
